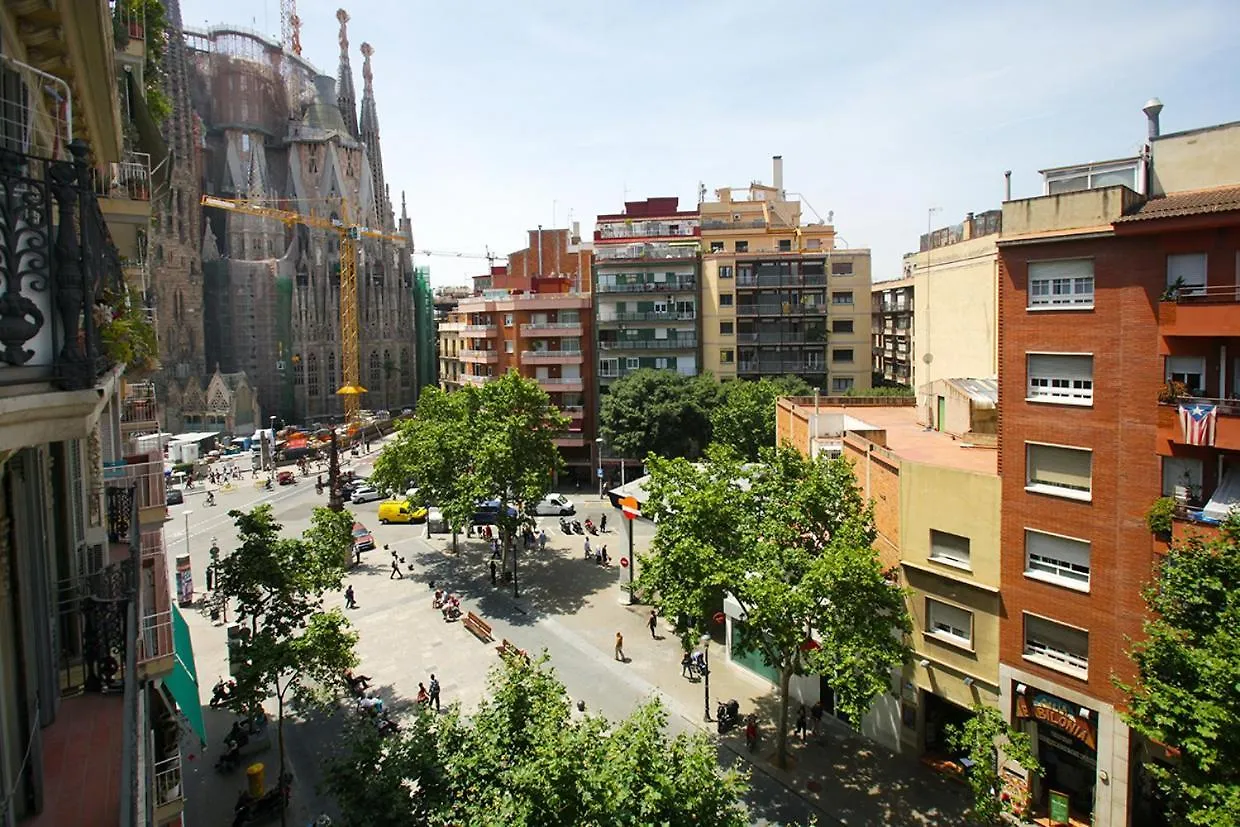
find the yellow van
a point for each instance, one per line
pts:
(400, 511)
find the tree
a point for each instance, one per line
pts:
(982, 737)
(658, 411)
(525, 759)
(293, 648)
(1187, 689)
(744, 419)
(790, 541)
(435, 450)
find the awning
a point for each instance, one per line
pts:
(182, 683)
(1226, 497)
(149, 136)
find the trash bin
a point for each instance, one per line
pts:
(254, 777)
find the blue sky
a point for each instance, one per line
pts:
(498, 116)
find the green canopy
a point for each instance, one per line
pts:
(182, 683)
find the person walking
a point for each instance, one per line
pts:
(349, 602)
(652, 623)
(587, 548)
(801, 723)
(815, 714)
(395, 569)
(434, 691)
(492, 572)
(542, 540)
(620, 647)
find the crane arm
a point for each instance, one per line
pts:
(291, 217)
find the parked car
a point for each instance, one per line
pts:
(555, 505)
(401, 511)
(286, 478)
(365, 494)
(363, 540)
(175, 496)
(487, 512)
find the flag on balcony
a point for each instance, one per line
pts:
(1197, 421)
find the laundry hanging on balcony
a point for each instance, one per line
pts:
(1226, 498)
(1197, 421)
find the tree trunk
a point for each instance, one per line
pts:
(781, 733)
(455, 550)
(280, 741)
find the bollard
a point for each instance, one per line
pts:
(254, 776)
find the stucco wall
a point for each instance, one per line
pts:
(1198, 159)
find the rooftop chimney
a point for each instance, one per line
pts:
(1007, 185)
(778, 175)
(1153, 107)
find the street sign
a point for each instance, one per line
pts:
(599, 473)
(630, 507)
(624, 561)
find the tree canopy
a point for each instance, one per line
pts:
(1187, 690)
(790, 540)
(744, 418)
(526, 759)
(658, 411)
(980, 738)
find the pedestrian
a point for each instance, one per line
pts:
(815, 714)
(395, 569)
(620, 647)
(652, 622)
(801, 723)
(434, 689)
(587, 548)
(492, 572)
(349, 602)
(602, 524)
(542, 540)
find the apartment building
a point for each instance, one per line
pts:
(94, 659)
(448, 335)
(955, 285)
(1117, 289)
(647, 289)
(936, 511)
(891, 326)
(778, 297)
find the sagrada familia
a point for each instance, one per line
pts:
(248, 306)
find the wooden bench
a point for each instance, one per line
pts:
(507, 649)
(480, 628)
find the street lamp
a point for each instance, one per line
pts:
(187, 513)
(598, 464)
(704, 641)
(271, 444)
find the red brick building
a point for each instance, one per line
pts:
(1120, 278)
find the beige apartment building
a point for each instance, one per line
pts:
(955, 280)
(777, 296)
(891, 330)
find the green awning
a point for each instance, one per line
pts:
(150, 139)
(182, 683)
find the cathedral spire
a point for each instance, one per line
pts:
(370, 136)
(345, 97)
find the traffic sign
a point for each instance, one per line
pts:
(630, 507)
(624, 562)
(599, 474)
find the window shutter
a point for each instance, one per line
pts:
(1074, 552)
(1061, 367)
(1053, 465)
(1063, 269)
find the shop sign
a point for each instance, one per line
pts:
(1058, 713)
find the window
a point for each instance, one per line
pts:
(509, 346)
(507, 320)
(841, 325)
(1188, 272)
(375, 369)
(844, 354)
(725, 328)
(1057, 559)
(1057, 470)
(950, 549)
(725, 271)
(744, 271)
(1062, 284)
(1056, 646)
(1188, 370)
(948, 623)
(841, 384)
(313, 371)
(785, 245)
(841, 268)
(632, 363)
(725, 299)
(742, 246)
(609, 367)
(660, 363)
(842, 297)
(1061, 378)
(1181, 477)
(727, 357)
(299, 371)
(716, 246)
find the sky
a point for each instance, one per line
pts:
(496, 117)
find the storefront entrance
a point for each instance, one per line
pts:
(1066, 742)
(940, 715)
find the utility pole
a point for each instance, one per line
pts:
(334, 501)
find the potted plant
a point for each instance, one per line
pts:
(1172, 391)
(127, 333)
(1159, 517)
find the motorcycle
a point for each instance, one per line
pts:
(590, 527)
(250, 810)
(727, 715)
(565, 526)
(210, 498)
(577, 529)
(223, 693)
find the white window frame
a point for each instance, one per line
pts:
(1049, 653)
(842, 384)
(1184, 367)
(1192, 267)
(1182, 472)
(1065, 290)
(609, 367)
(1059, 378)
(1069, 566)
(954, 560)
(1051, 489)
(632, 363)
(943, 623)
(842, 297)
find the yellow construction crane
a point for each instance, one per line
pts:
(350, 235)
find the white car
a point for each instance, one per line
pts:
(365, 494)
(555, 505)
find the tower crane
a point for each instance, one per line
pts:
(290, 26)
(350, 234)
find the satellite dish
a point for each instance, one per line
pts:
(927, 358)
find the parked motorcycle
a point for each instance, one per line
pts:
(250, 810)
(223, 693)
(590, 527)
(727, 715)
(577, 529)
(565, 526)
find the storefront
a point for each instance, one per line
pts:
(1066, 741)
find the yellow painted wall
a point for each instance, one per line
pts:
(860, 370)
(712, 314)
(1198, 159)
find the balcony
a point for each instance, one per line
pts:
(145, 474)
(775, 337)
(573, 411)
(571, 441)
(1226, 423)
(450, 327)
(607, 231)
(482, 330)
(778, 366)
(156, 655)
(1202, 312)
(780, 309)
(649, 316)
(644, 252)
(717, 224)
(139, 408)
(483, 357)
(551, 357)
(667, 286)
(82, 763)
(761, 280)
(130, 179)
(561, 384)
(552, 329)
(168, 793)
(678, 343)
(49, 318)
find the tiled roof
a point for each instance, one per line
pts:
(1190, 202)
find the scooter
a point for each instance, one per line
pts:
(210, 498)
(250, 810)
(223, 693)
(727, 715)
(577, 529)
(565, 526)
(590, 527)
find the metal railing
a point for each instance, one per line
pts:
(645, 252)
(1226, 407)
(152, 544)
(139, 406)
(644, 229)
(155, 637)
(650, 316)
(573, 411)
(167, 780)
(535, 327)
(1209, 294)
(129, 178)
(780, 309)
(776, 337)
(478, 355)
(471, 379)
(678, 343)
(558, 380)
(547, 355)
(781, 281)
(480, 329)
(718, 224)
(779, 367)
(668, 286)
(146, 478)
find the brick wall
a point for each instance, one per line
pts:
(878, 476)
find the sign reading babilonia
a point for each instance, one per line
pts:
(1058, 713)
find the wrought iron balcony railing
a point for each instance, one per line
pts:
(58, 265)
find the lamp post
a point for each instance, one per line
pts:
(187, 513)
(598, 464)
(271, 443)
(704, 640)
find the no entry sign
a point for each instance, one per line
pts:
(624, 561)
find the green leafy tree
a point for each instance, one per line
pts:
(294, 648)
(790, 540)
(744, 419)
(525, 759)
(982, 738)
(658, 412)
(435, 450)
(1187, 688)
